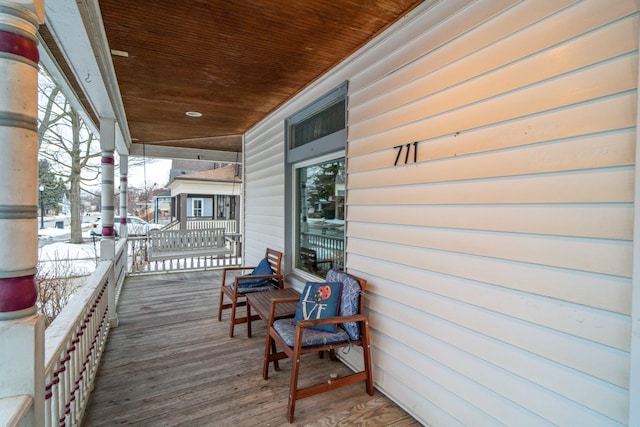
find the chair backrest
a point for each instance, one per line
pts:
(363, 285)
(308, 253)
(275, 260)
(352, 300)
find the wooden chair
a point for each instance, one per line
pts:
(296, 340)
(236, 292)
(310, 260)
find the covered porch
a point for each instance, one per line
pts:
(477, 159)
(170, 362)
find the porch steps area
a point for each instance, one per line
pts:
(171, 363)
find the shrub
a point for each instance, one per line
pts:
(56, 285)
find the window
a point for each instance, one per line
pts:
(318, 129)
(316, 138)
(221, 202)
(197, 206)
(325, 122)
(232, 207)
(320, 208)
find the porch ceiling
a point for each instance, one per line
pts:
(233, 61)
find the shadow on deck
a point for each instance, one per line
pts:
(170, 362)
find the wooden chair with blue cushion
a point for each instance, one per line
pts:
(266, 276)
(321, 323)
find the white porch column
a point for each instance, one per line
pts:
(182, 212)
(124, 171)
(107, 243)
(21, 329)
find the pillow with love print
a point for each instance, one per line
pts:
(319, 300)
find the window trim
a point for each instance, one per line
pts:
(193, 207)
(326, 144)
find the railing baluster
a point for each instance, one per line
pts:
(326, 247)
(73, 345)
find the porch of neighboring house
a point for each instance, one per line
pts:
(202, 198)
(170, 362)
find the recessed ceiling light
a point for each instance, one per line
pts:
(193, 114)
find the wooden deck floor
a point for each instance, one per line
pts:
(170, 362)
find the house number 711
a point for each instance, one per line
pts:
(407, 148)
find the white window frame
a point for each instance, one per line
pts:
(193, 207)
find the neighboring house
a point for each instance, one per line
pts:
(490, 166)
(208, 195)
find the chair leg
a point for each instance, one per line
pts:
(270, 355)
(220, 305)
(267, 356)
(233, 317)
(293, 385)
(248, 319)
(366, 350)
(276, 364)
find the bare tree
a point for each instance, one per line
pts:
(68, 145)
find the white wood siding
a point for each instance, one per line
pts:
(500, 261)
(264, 191)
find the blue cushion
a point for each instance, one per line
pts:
(253, 289)
(310, 338)
(350, 301)
(262, 269)
(319, 300)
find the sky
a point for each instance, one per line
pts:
(156, 171)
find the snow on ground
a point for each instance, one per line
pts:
(57, 256)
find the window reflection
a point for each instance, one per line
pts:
(320, 207)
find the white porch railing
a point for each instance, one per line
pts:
(120, 265)
(230, 226)
(193, 222)
(140, 260)
(173, 225)
(326, 247)
(74, 343)
(14, 411)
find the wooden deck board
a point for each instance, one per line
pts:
(170, 362)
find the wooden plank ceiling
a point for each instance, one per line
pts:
(233, 61)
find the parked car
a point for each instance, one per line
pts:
(135, 226)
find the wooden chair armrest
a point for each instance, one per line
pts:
(280, 277)
(331, 320)
(224, 272)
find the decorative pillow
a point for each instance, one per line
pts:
(262, 269)
(350, 301)
(319, 300)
